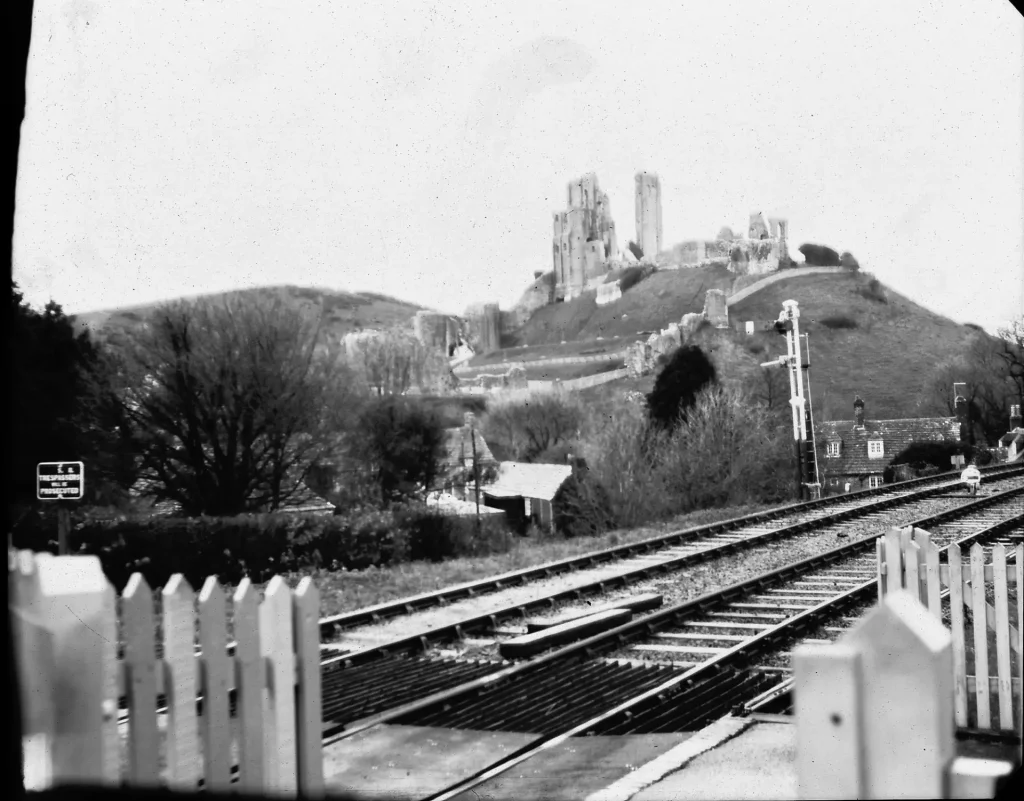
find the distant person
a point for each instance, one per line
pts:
(972, 478)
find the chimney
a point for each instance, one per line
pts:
(858, 412)
(1015, 418)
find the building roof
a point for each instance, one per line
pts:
(450, 505)
(896, 435)
(1015, 436)
(459, 449)
(523, 480)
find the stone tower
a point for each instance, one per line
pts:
(586, 221)
(648, 213)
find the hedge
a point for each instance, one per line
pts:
(259, 546)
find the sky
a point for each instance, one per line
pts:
(419, 149)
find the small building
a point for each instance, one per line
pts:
(853, 454)
(457, 467)
(1013, 441)
(525, 491)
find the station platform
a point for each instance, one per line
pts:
(732, 758)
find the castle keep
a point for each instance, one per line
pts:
(584, 237)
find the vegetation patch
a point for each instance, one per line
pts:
(838, 322)
(872, 290)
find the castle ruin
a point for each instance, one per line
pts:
(647, 196)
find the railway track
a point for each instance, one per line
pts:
(609, 684)
(639, 574)
(663, 547)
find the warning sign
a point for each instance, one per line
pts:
(57, 481)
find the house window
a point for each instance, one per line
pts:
(832, 449)
(874, 482)
(875, 449)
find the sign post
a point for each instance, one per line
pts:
(58, 481)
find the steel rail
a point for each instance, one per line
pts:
(422, 640)
(626, 708)
(413, 603)
(785, 686)
(646, 625)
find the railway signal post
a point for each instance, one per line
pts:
(788, 325)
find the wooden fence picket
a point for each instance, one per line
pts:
(309, 733)
(71, 680)
(277, 647)
(912, 580)
(893, 560)
(933, 575)
(978, 624)
(179, 624)
(140, 668)
(215, 678)
(880, 568)
(250, 680)
(1003, 669)
(956, 615)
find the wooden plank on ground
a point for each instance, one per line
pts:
(640, 603)
(538, 641)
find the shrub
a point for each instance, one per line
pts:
(873, 290)
(927, 458)
(632, 276)
(819, 255)
(582, 507)
(848, 262)
(687, 372)
(726, 451)
(839, 321)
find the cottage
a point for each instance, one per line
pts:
(853, 454)
(456, 474)
(525, 491)
(1014, 440)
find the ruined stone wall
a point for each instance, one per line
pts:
(432, 329)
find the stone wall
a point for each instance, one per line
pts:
(513, 379)
(608, 293)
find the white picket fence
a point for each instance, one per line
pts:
(874, 712)
(909, 560)
(64, 613)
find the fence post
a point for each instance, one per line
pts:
(277, 644)
(71, 598)
(905, 744)
(828, 696)
(309, 726)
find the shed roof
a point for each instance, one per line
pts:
(524, 480)
(450, 505)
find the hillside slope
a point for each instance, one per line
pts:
(651, 305)
(887, 355)
(865, 339)
(343, 311)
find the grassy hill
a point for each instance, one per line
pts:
(649, 306)
(343, 311)
(865, 338)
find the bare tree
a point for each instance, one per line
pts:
(228, 405)
(1011, 353)
(393, 362)
(770, 387)
(526, 429)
